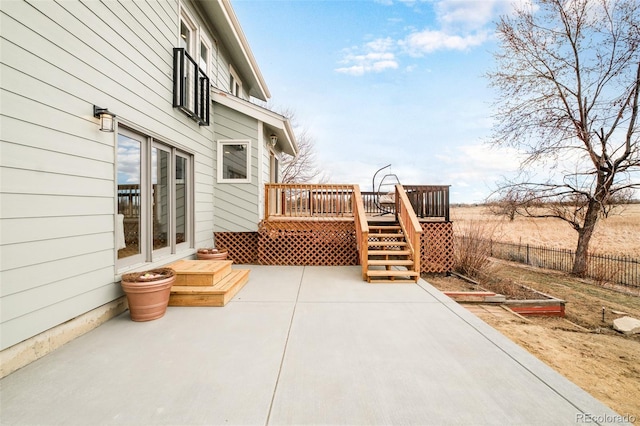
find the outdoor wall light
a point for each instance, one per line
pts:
(273, 140)
(107, 122)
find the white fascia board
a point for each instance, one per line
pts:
(291, 139)
(243, 45)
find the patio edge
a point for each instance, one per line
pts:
(24, 353)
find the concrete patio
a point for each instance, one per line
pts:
(299, 345)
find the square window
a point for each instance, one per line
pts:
(234, 161)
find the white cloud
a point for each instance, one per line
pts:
(407, 2)
(470, 13)
(429, 41)
(463, 24)
(376, 57)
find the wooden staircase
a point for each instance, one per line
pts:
(205, 282)
(389, 258)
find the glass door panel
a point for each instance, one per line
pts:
(128, 225)
(160, 168)
(182, 194)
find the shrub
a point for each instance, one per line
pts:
(472, 248)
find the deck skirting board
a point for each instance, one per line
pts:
(325, 243)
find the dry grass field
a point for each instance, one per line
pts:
(619, 234)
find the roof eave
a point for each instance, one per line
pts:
(278, 124)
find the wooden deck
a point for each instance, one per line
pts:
(331, 225)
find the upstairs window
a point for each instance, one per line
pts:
(204, 59)
(191, 76)
(186, 35)
(234, 161)
(235, 85)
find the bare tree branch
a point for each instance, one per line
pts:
(568, 78)
(303, 167)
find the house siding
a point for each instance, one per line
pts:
(236, 204)
(57, 170)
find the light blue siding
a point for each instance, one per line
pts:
(57, 170)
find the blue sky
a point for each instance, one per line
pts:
(380, 82)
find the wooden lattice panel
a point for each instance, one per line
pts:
(242, 246)
(318, 243)
(325, 243)
(437, 247)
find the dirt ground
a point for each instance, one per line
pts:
(581, 346)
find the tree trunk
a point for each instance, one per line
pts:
(584, 236)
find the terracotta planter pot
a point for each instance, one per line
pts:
(212, 254)
(148, 293)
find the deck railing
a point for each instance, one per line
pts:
(129, 200)
(410, 225)
(308, 200)
(327, 202)
(362, 230)
(428, 202)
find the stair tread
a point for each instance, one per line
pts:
(220, 287)
(385, 262)
(386, 235)
(389, 252)
(387, 243)
(199, 267)
(205, 273)
(391, 273)
(396, 281)
(386, 227)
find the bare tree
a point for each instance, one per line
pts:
(511, 203)
(303, 167)
(568, 77)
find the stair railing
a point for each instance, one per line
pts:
(362, 229)
(410, 225)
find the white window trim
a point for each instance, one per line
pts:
(220, 148)
(234, 74)
(195, 36)
(205, 40)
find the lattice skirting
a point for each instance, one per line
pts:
(242, 246)
(319, 243)
(325, 244)
(437, 247)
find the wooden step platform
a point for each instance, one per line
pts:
(206, 282)
(200, 272)
(216, 295)
(392, 276)
(391, 273)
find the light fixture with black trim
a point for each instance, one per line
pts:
(107, 122)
